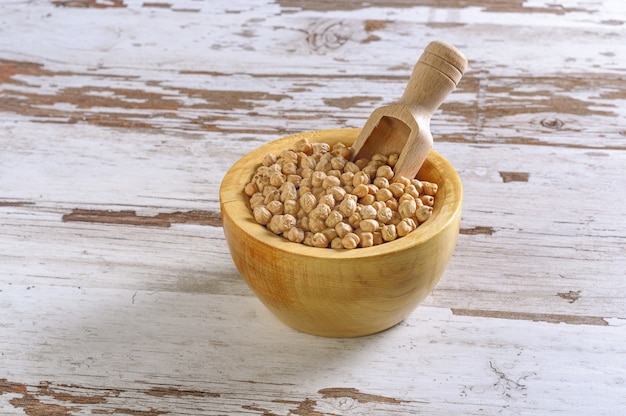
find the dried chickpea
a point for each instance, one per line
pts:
(397, 189)
(346, 178)
(354, 220)
(330, 233)
(304, 146)
(367, 239)
(360, 178)
(320, 148)
(351, 167)
(327, 199)
(389, 232)
(350, 241)
(337, 192)
(361, 163)
(319, 240)
(269, 159)
(392, 204)
(405, 226)
(407, 208)
(262, 215)
(378, 237)
(384, 215)
(251, 189)
(369, 225)
(316, 225)
(428, 200)
(403, 180)
(383, 194)
(423, 213)
(392, 159)
(361, 190)
(384, 171)
(308, 238)
(347, 207)
(368, 212)
(336, 243)
(272, 196)
(308, 202)
(342, 229)
(368, 199)
(334, 218)
(381, 182)
(317, 178)
(256, 200)
(321, 211)
(370, 170)
(338, 162)
(295, 235)
(291, 206)
(275, 207)
(330, 181)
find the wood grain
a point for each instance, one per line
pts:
(119, 119)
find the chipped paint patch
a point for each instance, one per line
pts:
(571, 296)
(514, 176)
(535, 317)
(96, 4)
(174, 392)
(356, 395)
(477, 230)
(350, 102)
(131, 218)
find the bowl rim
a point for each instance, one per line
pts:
(235, 208)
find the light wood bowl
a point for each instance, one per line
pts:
(340, 293)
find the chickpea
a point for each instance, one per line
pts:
(319, 240)
(262, 215)
(350, 241)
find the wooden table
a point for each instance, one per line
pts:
(119, 118)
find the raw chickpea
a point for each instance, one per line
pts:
(407, 208)
(397, 189)
(350, 241)
(316, 224)
(384, 171)
(403, 180)
(327, 199)
(369, 225)
(330, 233)
(346, 178)
(314, 195)
(351, 167)
(308, 202)
(383, 194)
(428, 200)
(423, 213)
(361, 190)
(368, 199)
(338, 162)
(367, 239)
(389, 232)
(392, 203)
(393, 159)
(368, 212)
(384, 215)
(275, 207)
(291, 206)
(295, 235)
(337, 192)
(317, 178)
(370, 170)
(251, 189)
(321, 211)
(354, 220)
(381, 182)
(347, 207)
(330, 181)
(360, 178)
(342, 229)
(334, 218)
(262, 215)
(361, 163)
(319, 240)
(269, 159)
(429, 188)
(256, 200)
(304, 146)
(336, 244)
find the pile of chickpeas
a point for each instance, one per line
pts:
(313, 194)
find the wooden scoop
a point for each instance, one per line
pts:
(404, 127)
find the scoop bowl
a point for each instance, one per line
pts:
(340, 293)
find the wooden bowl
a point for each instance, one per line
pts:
(340, 293)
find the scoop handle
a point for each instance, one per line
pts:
(435, 75)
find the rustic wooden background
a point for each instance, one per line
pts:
(119, 118)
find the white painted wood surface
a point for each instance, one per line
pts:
(118, 119)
